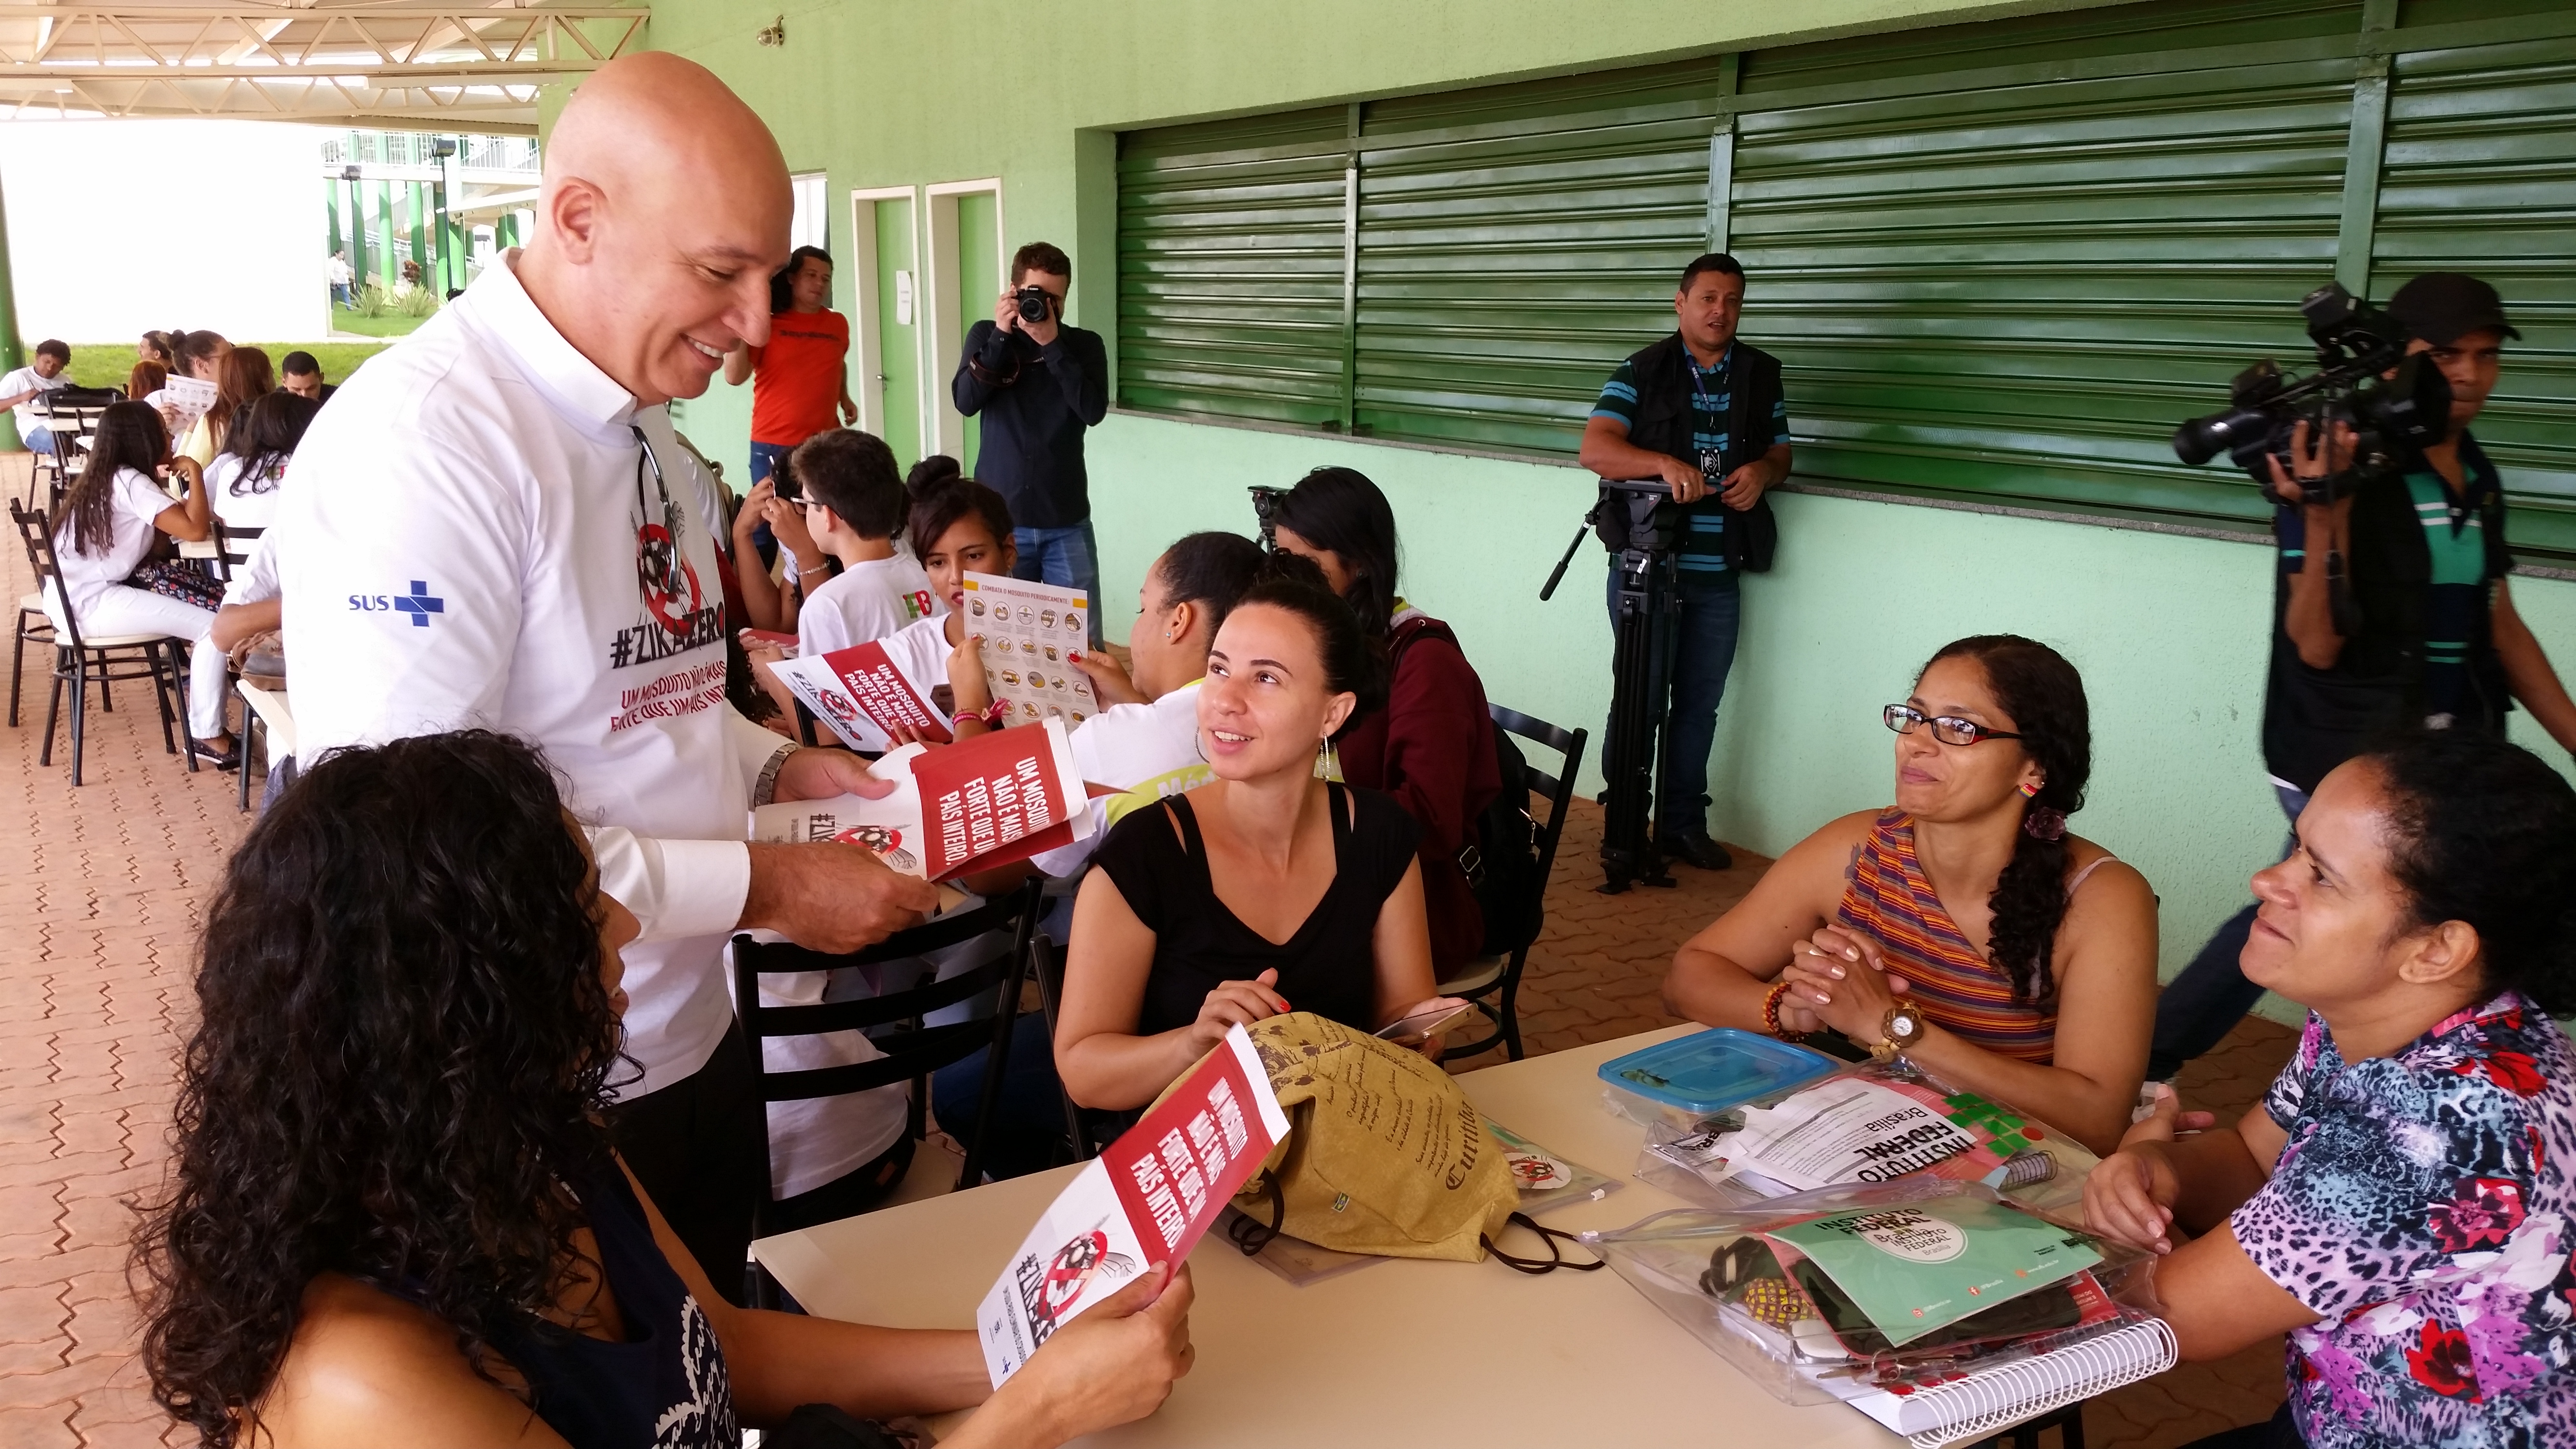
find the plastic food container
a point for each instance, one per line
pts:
(1691, 1077)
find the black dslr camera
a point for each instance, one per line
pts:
(2393, 417)
(1036, 304)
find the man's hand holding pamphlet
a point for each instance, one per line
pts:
(862, 696)
(985, 802)
(1147, 1199)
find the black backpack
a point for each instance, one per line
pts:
(1505, 872)
(1501, 862)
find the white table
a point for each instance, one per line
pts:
(1400, 1352)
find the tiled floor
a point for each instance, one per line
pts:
(99, 915)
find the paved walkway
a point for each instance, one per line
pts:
(99, 916)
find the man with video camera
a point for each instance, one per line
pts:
(1037, 383)
(2391, 611)
(1705, 413)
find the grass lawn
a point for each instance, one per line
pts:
(392, 324)
(105, 364)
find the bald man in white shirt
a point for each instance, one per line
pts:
(493, 525)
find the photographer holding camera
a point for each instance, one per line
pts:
(2391, 611)
(1037, 383)
(1705, 413)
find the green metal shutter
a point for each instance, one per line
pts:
(1230, 267)
(1516, 242)
(2002, 261)
(2480, 177)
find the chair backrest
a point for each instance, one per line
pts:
(69, 459)
(912, 1051)
(1048, 968)
(35, 530)
(232, 547)
(1557, 789)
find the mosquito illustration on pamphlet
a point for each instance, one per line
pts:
(1076, 1265)
(1030, 635)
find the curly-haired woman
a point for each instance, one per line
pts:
(2027, 955)
(2400, 1202)
(396, 1215)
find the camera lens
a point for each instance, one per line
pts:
(2202, 439)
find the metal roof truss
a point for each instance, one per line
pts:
(398, 64)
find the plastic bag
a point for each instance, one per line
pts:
(1722, 1274)
(1886, 1120)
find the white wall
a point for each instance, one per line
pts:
(119, 227)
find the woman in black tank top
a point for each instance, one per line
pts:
(396, 1216)
(1266, 891)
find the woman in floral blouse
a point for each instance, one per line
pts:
(2400, 1204)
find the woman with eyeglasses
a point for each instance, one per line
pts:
(1962, 925)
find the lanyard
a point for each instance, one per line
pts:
(1699, 395)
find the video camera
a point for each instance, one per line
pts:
(2392, 417)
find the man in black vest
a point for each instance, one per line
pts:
(2423, 635)
(1705, 413)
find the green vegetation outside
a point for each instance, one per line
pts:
(390, 324)
(105, 364)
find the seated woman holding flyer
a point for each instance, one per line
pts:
(1264, 891)
(422, 1234)
(1962, 925)
(1146, 750)
(2399, 1204)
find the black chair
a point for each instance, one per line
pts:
(69, 459)
(33, 628)
(233, 547)
(1494, 982)
(893, 1021)
(1085, 1133)
(80, 662)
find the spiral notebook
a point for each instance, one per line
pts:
(1981, 1403)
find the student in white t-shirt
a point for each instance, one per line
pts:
(1145, 744)
(21, 388)
(105, 529)
(851, 1151)
(243, 480)
(854, 506)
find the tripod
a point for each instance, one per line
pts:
(1641, 525)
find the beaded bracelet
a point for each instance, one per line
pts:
(1771, 1014)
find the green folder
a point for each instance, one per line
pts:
(1912, 1268)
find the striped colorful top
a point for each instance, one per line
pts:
(1891, 898)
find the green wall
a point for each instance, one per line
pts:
(2168, 629)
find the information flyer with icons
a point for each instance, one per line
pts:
(1030, 635)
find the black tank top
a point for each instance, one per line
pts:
(663, 1387)
(1328, 967)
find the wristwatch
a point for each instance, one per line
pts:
(1902, 1027)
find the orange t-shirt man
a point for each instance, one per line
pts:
(796, 381)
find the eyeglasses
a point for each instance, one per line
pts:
(659, 561)
(1949, 729)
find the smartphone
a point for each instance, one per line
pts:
(1424, 1023)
